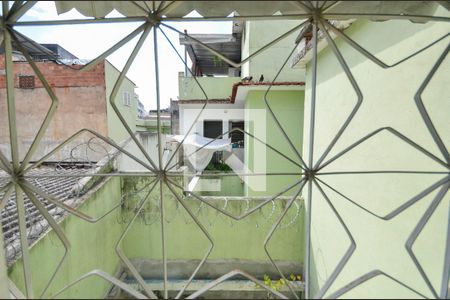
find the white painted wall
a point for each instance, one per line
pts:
(224, 112)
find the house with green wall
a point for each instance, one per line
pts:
(238, 106)
(343, 186)
(372, 171)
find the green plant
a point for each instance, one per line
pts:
(218, 167)
(277, 285)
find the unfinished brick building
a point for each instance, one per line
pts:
(83, 102)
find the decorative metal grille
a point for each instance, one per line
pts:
(19, 173)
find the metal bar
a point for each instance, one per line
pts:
(51, 111)
(273, 42)
(421, 18)
(168, 7)
(64, 206)
(325, 9)
(4, 163)
(117, 85)
(4, 290)
(348, 253)
(257, 52)
(306, 5)
(418, 229)
(399, 209)
(58, 231)
(380, 172)
(423, 111)
(245, 214)
(99, 273)
(6, 195)
(17, 14)
(232, 274)
(372, 57)
(239, 18)
(75, 135)
(205, 232)
(120, 252)
(163, 238)
(363, 278)
(158, 98)
(445, 290)
(10, 96)
(245, 133)
(377, 131)
(160, 157)
(21, 213)
(14, 290)
(201, 110)
(355, 87)
(111, 50)
(140, 7)
(280, 127)
(313, 97)
(217, 53)
(78, 21)
(272, 230)
(307, 259)
(15, 6)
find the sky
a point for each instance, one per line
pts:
(89, 41)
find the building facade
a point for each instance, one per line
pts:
(83, 102)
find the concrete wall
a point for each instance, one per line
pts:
(388, 101)
(92, 247)
(214, 87)
(185, 241)
(116, 130)
(259, 33)
(81, 105)
(288, 108)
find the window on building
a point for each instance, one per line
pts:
(126, 97)
(26, 81)
(236, 135)
(212, 129)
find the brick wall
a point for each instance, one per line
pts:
(57, 75)
(82, 104)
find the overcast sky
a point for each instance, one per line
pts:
(88, 41)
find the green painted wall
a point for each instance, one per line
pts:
(214, 87)
(231, 238)
(116, 130)
(388, 101)
(228, 186)
(92, 248)
(268, 63)
(288, 108)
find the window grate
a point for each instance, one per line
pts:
(26, 82)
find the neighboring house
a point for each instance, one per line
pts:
(83, 101)
(142, 113)
(390, 99)
(236, 105)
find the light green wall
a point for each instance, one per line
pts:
(214, 87)
(151, 125)
(231, 238)
(388, 101)
(259, 33)
(92, 247)
(229, 186)
(116, 130)
(288, 108)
